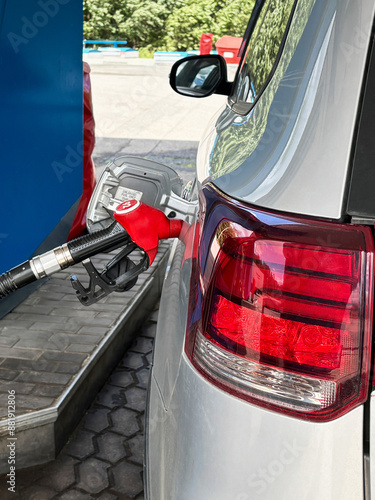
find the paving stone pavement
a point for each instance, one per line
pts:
(103, 458)
(48, 338)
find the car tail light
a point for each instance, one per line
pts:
(281, 309)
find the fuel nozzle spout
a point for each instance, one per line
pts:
(147, 225)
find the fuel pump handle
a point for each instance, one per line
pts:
(147, 225)
(137, 224)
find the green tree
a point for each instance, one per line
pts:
(146, 23)
(186, 24)
(103, 19)
(164, 24)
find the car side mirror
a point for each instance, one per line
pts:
(200, 76)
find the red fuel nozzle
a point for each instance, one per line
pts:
(147, 225)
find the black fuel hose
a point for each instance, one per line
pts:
(70, 253)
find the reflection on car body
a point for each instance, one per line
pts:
(261, 384)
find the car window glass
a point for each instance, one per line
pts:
(262, 50)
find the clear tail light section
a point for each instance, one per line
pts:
(280, 309)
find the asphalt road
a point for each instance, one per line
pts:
(133, 100)
(138, 114)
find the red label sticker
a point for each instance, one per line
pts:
(127, 206)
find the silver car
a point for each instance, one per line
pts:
(263, 367)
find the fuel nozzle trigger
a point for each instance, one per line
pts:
(119, 275)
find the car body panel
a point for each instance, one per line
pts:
(276, 156)
(172, 324)
(290, 153)
(208, 445)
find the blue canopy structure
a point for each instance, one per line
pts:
(40, 124)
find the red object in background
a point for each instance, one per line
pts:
(205, 45)
(147, 225)
(89, 177)
(228, 47)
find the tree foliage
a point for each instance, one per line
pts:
(219, 17)
(103, 19)
(146, 22)
(164, 24)
(186, 24)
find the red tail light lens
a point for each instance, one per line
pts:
(282, 311)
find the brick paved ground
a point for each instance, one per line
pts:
(104, 456)
(50, 336)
